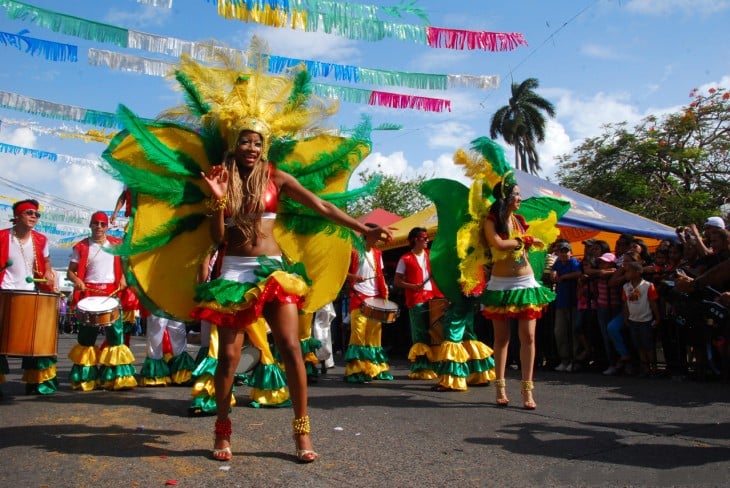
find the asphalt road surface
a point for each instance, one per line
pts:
(588, 430)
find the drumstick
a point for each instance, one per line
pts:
(28, 279)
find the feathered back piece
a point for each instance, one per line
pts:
(228, 95)
(485, 162)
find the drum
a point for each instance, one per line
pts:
(436, 310)
(250, 357)
(380, 310)
(97, 311)
(28, 323)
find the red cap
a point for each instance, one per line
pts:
(99, 217)
(25, 206)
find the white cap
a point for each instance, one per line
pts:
(715, 222)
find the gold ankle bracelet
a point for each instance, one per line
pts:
(502, 383)
(301, 425)
(528, 385)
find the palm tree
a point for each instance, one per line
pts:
(522, 124)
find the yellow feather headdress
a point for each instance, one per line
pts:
(230, 94)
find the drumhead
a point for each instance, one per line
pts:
(250, 357)
(98, 304)
(380, 304)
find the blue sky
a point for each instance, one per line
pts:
(598, 61)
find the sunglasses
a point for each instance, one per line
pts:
(32, 213)
(100, 224)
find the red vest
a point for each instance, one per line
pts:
(82, 248)
(356, 298)
(414, 274)
(39, 243)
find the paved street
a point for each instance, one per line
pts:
(588, 430)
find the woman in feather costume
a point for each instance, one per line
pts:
(250, 167)
(486, 227)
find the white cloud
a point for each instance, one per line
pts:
(685, 7)
(599, 51)
(449, 135)
(308, 45)
(586, 117)
(143, 16)
(557, 142)
(89, 186)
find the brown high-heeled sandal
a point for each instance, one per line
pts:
(301, 427)
(223, 431)
(500, 388)
(528, 403)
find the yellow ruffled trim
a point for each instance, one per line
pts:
(128, 316)
(420, 349)
(116, 355)
(269, 397)
(424, 374)
(290, 283)
(477, 349)
(84, 355)
(452, 351)
(124, 383)
(452, 382)
(204, 384)
(311, 358)
(513, 308)
(366, 367)
(167, 356)
(85, 385)
(182, 377)
(38, 376)
(482, 378)
(164, 381)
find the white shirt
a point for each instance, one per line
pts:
(23, 264)
(368, 287)
(100, 265)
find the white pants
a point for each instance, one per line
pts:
(156, 327)
(322, 332)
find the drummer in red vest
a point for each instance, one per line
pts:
(25, 265)
(413, 274)
(365, 359)
(101, 299)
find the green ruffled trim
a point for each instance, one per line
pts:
(268, 377)
(452, 368)
(521, 297)
(373, 354)
(363, 378)
(154, 369)
(269, 405)
(203, 405)
(310, 345)
(207, 366)
(229, 292)
(311, 369)
(110, 373)
(201, 356)
(480, 365)
(83, 374)
(48, 387)
(181, 362)
(39, 363)
(423, 364)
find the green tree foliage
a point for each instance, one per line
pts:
(522, 124)
(674, 169)
(395, 194)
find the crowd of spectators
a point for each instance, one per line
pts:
(616, 308)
